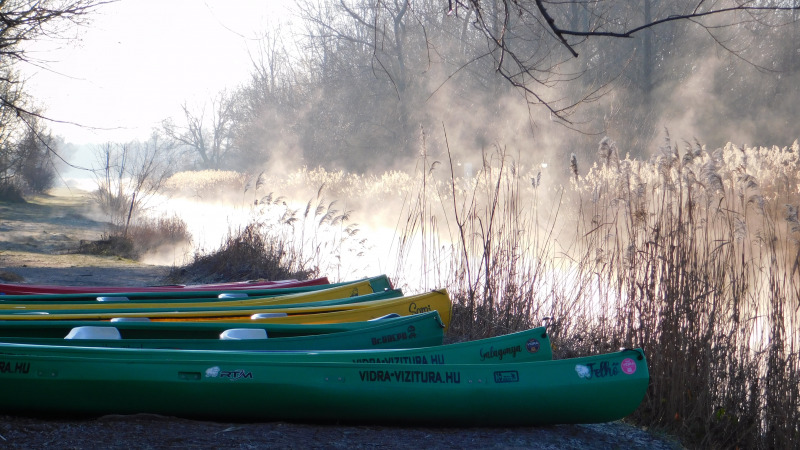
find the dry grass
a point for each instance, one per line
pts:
(10, 277)
(281, 242)
(246, 255)
(139, 238)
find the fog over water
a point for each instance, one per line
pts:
(423, 99)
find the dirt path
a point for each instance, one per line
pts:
(37, 238)
(34, 243)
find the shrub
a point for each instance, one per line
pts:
(140, 238)
(151, 234)
(11, 193)
(248, 254)
(110, 245)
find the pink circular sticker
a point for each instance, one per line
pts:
(628, 366)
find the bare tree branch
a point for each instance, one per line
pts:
(530, 27)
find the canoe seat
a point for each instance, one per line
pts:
(93, 333)
(267, 315)
(237, 334)
(225, 295)
(388, 316)
(113, 299)
(130, 319)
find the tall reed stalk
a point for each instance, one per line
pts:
(692, 255)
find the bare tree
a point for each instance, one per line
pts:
(532, 41)
(128, 175)
(209, 137)
(374, 65)
(271, 102)
(21, 22)
(369, 75)
(35, 167)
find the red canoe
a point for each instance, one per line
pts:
(25, 289)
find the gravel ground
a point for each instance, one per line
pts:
(145, 431)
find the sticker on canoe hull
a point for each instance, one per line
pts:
(595, 370)
(628, 366)
(583, 371)
(410, 333)
(532, 345)
(237, 374)
(506, 376)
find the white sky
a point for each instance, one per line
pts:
(140, 60)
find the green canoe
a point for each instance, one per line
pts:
(383, 343)
(422, 330)
(187, 330)
(365, 286)
(253, 386)
(222, 305)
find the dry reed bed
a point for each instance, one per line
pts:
(692, 255)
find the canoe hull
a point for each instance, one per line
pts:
(183, 330)
(39, 289)
(314, 299)
(409, 341)
(376, 284)
(409, 332)
(239, 386)
(404, 306)
(199, 298)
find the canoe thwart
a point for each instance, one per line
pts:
(90, 332)
(387, 316)
(229, 295)
(267, 315)
(113, 299)
(237, 334)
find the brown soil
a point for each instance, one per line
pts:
(35, 244)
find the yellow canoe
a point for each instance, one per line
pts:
(355, 312)
(349, 290)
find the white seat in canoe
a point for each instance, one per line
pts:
(130, 319)
(225, 295)
(89, 332)
(388, 316)
(267, 315)
(238, 334)
(113, 299)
